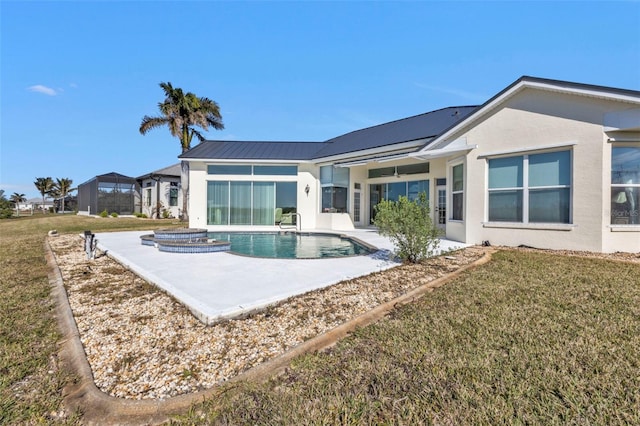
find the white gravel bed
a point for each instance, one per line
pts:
(143, 344)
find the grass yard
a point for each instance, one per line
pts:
(530, 338)
(30, 380)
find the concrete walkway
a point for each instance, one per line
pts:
(215, 286)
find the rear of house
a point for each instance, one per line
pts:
(544, 163)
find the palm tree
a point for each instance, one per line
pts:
(181, 112)
(44, 185)
(16, 199)
(62, 188)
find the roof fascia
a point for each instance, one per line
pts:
(532, 83)
(384, 159)
(245, 161)
(387, 149)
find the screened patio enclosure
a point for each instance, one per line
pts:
(112, 192)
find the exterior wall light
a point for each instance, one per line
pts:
(306, 190)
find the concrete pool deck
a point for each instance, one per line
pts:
(216, 286)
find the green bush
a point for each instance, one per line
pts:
(5, 207)
(104, 213)
(166, 214)
(409, 226)
(6, 212)
(114, 214)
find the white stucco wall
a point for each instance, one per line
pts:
(534, 120)
(165, 186)
(197, 195)
(307, 206)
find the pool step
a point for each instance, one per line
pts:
(184, 240)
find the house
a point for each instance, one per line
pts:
(37, 204)
(544, 163)
(160, 192)
(110, 192)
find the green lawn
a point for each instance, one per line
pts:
(30, 380)
(529, 338)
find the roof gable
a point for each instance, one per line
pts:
(172, 170)
(526, 82)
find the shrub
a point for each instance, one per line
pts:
(104, 213)
(114, 214)
(166, 214)
(5, 207)
(409, 226)
(6, 212)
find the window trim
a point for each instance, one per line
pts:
(333, 185)
(452, 192)
(251, 169)
(619, 227)
(526, 188)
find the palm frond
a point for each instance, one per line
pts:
(149, 123)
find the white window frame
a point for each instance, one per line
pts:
(630, 144)
(452, 192)
(525, 188)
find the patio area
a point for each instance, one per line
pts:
(216, 286)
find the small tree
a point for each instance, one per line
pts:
(409, 226)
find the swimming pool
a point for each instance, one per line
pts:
(290, 245)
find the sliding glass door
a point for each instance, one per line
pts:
(249, 203)
(218, 203)
(264, 198)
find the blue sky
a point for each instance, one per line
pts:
(78, 76)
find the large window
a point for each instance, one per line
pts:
(248, 169)
(533, 188)
(393, 190)
(249, 203)
(457, 192)
(625, 185)
(334, 182)
(409, 169)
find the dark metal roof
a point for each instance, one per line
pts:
(172, 170)
(112, 177)
(408, 129)
(570, 85)
(424, 126)
(254, 150)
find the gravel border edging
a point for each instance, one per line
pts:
(100, 408)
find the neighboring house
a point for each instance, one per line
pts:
(112, 192)
(160, 191)
(544, 163)
(37, 204)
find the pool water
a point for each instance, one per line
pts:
(290, 245)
